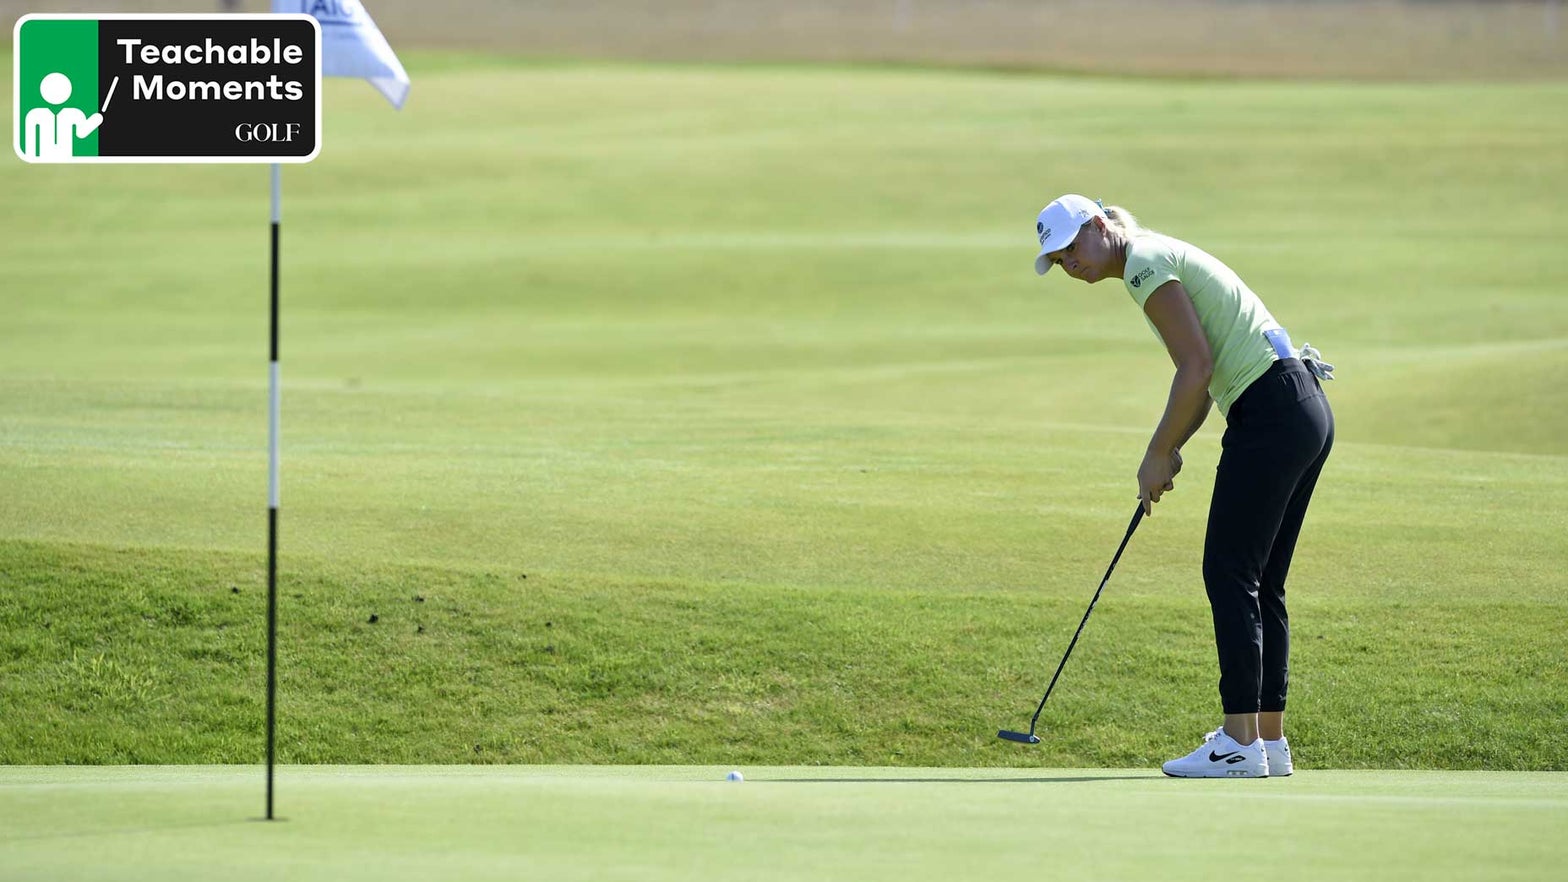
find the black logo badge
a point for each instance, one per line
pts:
(198, 88)
(1137, 281)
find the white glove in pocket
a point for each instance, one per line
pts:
(1313, 359)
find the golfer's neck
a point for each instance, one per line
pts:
(1119, 265)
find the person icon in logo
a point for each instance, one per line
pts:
(52, 135)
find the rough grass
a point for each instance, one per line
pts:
(156, 657)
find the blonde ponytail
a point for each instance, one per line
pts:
(1124, 220)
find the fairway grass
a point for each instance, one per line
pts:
(679, 414)
(384, 824)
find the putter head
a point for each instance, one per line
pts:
(1020, 737)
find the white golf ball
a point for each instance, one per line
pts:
(734, 776)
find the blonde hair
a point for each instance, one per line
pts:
(1124, 221)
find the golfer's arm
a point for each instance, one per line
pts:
(1203, 414)
(1170, 309)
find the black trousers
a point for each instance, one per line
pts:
(1278, 435)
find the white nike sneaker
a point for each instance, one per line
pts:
(1221, 757)
(1278, 753)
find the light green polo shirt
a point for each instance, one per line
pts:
(1233, 318)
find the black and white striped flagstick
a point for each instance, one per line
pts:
(274, 404)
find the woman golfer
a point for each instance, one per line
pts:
(1228, 350)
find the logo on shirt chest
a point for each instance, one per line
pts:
(1143, 274)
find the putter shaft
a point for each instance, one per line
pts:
(1033, 721)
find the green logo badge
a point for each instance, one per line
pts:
(57, 107)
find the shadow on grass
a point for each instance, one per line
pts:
(1073, 780)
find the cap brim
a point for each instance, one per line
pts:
(1062, 239)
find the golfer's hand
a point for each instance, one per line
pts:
(1155, 477)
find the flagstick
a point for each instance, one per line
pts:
(275, 396)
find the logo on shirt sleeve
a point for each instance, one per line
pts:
(1137, 281)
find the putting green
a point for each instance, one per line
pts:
(665, 822)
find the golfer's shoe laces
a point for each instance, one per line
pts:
(1278, 753)
(1314, 362)
(1220, 756)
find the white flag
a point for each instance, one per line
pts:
(352, 45)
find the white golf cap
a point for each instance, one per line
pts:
(1059, 223)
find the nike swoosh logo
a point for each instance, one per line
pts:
(1216, 757)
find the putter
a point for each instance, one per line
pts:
(1029, 737)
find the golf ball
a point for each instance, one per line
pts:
(734, 776)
